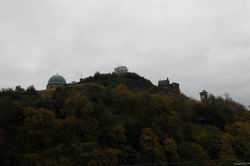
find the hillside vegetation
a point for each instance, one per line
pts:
(106, 120)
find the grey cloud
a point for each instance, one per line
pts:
(200, 44)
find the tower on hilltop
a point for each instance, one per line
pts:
(204, 96)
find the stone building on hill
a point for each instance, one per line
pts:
(171, 87)
(204, 96)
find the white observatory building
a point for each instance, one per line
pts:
(120, 70)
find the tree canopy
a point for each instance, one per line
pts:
(107, 120)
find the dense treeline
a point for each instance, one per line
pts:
(105, 121)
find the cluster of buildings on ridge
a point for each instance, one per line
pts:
(171, 87)
(58, 81)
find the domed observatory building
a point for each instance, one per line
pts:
(120, 70)
(56, 81)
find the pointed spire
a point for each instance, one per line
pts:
(168, 81)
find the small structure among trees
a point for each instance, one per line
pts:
(204, 96)
(171, 87)
(227, 97)
(120, 70)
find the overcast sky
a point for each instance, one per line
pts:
(201, 44)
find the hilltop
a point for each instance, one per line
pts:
(131, 80)
(107, 120)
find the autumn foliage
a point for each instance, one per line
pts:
(106, 121)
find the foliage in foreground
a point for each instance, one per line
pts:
(102, 123)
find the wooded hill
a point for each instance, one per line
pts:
(107, 120)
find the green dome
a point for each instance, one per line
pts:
(57, 79)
